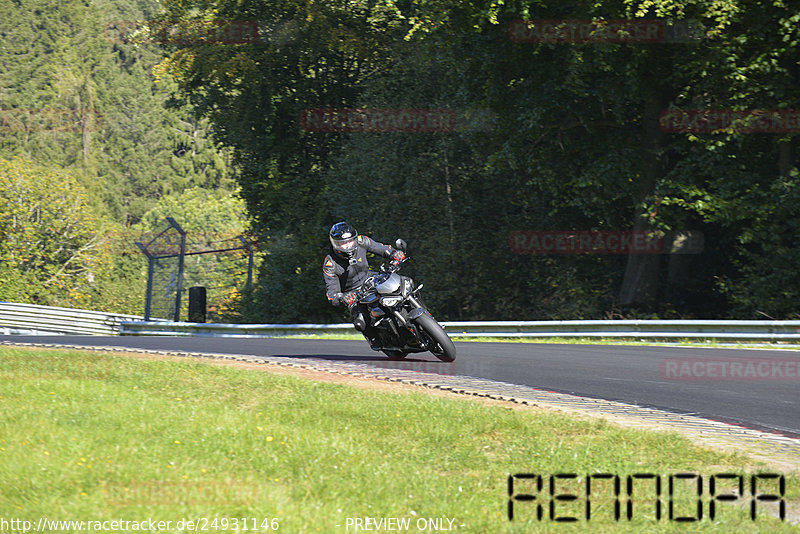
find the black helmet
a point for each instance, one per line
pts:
(343, 239)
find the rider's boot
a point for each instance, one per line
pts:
(372, 338)
(373, 342)
(361, 324)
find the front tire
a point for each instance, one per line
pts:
(444, 348)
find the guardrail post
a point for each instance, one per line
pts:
(249, 246)
(181, 258)
(150, 271)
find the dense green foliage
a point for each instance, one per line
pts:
(50, 238)
(129, 147)
(77, 101)
(548, 136)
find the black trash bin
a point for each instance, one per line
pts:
(197, 304)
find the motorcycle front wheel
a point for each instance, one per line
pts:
(443, 348)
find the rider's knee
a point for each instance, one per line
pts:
(359, 322)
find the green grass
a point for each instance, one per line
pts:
(91, 436)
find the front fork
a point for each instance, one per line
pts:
(416, 305)
(404, 322)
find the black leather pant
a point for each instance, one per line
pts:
(361, 320)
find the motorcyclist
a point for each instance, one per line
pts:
(345, 268)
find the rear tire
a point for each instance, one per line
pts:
(445, 350)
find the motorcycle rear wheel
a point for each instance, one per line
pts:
(445, 349)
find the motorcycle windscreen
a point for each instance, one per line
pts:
(390, 285)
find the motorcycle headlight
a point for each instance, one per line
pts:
(391, 301)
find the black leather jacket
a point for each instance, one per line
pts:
(343, 274)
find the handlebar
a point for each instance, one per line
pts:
(365, 288)
(369, 284)
(393, 266)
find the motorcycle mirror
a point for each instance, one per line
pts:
(400, 245)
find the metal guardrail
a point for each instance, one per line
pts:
(32, 319)
(636, 329)
(171, 328)
(702, 328)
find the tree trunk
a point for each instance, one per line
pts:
(786, 147)
(640, 283)
(785, 157)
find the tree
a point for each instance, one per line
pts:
(75, 95)
(576, 142)
(51, 249)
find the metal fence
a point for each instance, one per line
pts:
(178, 260)
(165, 259)
(633, 329)
(35, 320)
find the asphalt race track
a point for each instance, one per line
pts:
(630, 374)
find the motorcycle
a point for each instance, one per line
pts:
(402, 323)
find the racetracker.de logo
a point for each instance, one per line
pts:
(730, 121)
(738, 369)
(164, 493)
(585, 242)
(182, 32)
(377, 120)
(49, 120)
(605, 31)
